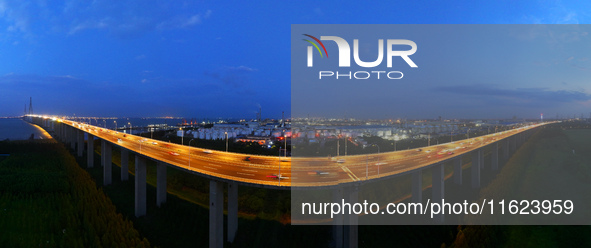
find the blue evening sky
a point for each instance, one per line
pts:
(205, 59)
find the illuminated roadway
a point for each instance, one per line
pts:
(296, 172)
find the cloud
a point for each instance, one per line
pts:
(568, 18)
(17, 14)
(121, 18)
(318, 12)
(242, 68)
(519, 96)
(238, 79)
(179, 22)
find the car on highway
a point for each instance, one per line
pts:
(118, 140)
(318, 172)
(173, 153)
(247, 158)
(154, 143)
(277, 176)
(208, 151)
(419, 150)
(340, 161)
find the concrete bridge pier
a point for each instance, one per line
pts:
(506, 149)
(56, 131)
(60, 131)
(107, 162)
(481, 157)
(417, 186)
(140, 185)
(72, 135)
(232, 210)
(475, 168)
(495, 156)
(438, 190)
(457, 162)
(124, 164)
(161, 183)
(337, 221)
(216, 214)
(351, 228)
(80, 143)
(68, 135)
(90, 151)
(64, 130)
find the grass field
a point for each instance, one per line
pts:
(545, 167)
(47, 200)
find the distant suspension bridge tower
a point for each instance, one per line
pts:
(30, 105)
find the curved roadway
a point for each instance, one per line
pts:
(297, 172)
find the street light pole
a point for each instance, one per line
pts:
(115, 125)
(182, 136)
(129, 123)
(285, 147)
(378, 158)
(226, 141)
(279, 175)
(346, 145)
(452, 136)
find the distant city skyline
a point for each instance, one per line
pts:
(222, 59)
